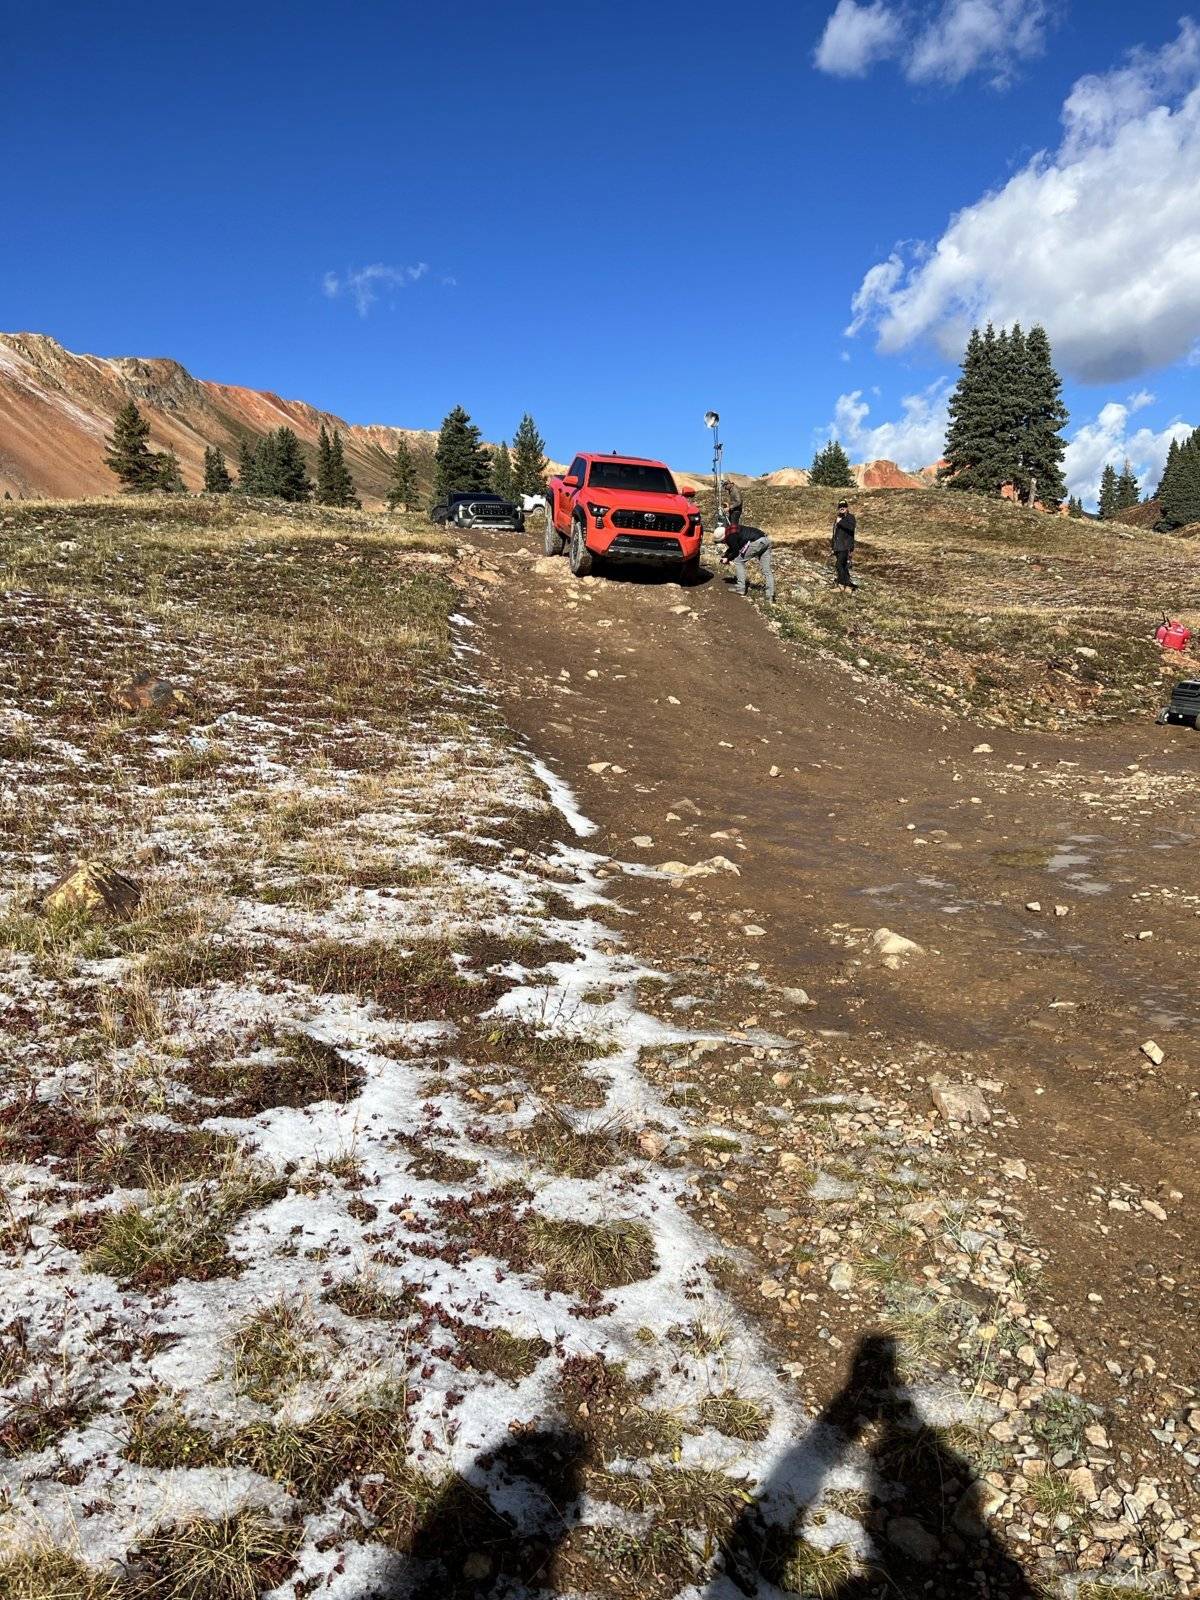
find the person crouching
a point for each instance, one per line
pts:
(748, 544)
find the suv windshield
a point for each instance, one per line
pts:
(631, 475)
(474, 494)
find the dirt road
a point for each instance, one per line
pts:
(1053, 884)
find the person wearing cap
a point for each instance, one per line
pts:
(748, 544)
(843, 544)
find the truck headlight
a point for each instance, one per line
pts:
(599, 512)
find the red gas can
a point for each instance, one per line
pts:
(1173, 635)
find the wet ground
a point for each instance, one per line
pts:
(1052, 881)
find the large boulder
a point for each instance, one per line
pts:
(94, 888)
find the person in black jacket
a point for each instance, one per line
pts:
(843, 544)
(743, 544)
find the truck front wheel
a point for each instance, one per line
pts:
(581, 556)
(689, 572)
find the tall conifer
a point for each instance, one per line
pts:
(128, 453)
(831, 467)
(402, 491)
(1108, 492)
(216, 473)
(502, 472)
(462, 460)
(528, 458)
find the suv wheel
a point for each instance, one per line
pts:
(689, 572)
(553, 541)
(581, 556)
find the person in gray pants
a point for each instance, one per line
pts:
(748, 544)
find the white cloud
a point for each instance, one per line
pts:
(1107, 441)
(856, 37)
(1099, 241)
(968, 34)
(1140, 400)
(938, 44)
(916, 440)
(364, 284)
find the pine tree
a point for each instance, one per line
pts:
(462, 461)
(528, 459)
(1181, 491)
(1007, 417)
(831, 467)
(128, 454)
(1172, 462)
(975, 458)
(1108, 492)
(342, 483)
(502, 472)
(289, 475)
(168, 479)
(216, 473)
(402, 490)
(1075, 506)
(1128, 493)
(326, 494)
(247, 468)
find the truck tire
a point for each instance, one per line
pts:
(689, 572)
(581, 556)
(553, 543)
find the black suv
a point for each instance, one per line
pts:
(479, 508)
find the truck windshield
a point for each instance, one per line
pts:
(631, 475)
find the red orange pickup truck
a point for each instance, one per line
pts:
(621, 509)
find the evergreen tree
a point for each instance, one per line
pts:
(1128, 493)
(502, 472)
(1172, 462)
(1007, 417)
(128, 454)
(1044, 416)
(326, 494)
(216, 473)
(1181, 486)
(1075, 506)
(1108, 492)
(168, 479)
(265, 476)
(247, 468)
(462, 461)
(831, 467)
(974, 451)
(289, 474)
(339, 474)
(528, 458)
(402, 490)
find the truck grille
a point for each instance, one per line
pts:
(644, 547)
(649, 521)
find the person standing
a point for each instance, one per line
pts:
(844, 529)
(748, 544)
(733, 505)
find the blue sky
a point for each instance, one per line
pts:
(618, 217)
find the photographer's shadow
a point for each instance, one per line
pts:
(496, 1530)
(922, 1514)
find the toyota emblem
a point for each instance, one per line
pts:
(648, 518)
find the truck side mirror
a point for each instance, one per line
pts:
(688, 494)
(571, 481)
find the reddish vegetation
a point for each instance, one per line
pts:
(57, 407)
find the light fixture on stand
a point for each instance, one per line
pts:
(712, 420)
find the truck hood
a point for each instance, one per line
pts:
(637, 500)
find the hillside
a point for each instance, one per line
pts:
(56, 408)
